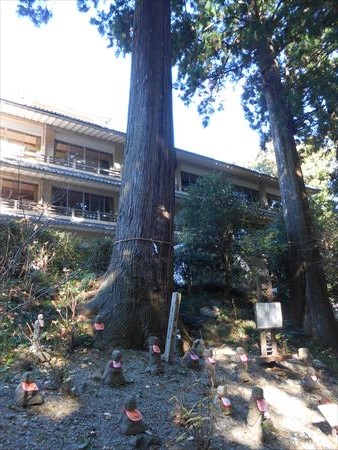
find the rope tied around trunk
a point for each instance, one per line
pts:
(152, 241)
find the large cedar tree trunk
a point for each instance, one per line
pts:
(310, 304)
(135, 295)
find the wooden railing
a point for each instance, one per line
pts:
(19, 154)
(26, 207)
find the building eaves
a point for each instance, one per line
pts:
(215, 164)
(57, 119)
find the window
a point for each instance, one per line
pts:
(82, 157)
(274, 201)
(188, 178)
(17, 190)
(250, 195)
(82, 201)
(29, 141)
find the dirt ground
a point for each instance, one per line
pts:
(89, 417)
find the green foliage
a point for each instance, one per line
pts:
(213, 219)
(221, 44)
(269, 243)
(98, 254)
(326, 223)
(265, 162)
(44, 270)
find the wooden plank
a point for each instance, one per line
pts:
(268, 315)
(172, 326)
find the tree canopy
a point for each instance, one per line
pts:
(212, 219)
(285, 51)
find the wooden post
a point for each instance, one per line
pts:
(172, 326)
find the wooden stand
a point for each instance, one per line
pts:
(268, 343)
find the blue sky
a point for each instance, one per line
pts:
(66, 64)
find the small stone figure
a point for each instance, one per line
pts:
(310, 381)
(210, 366)
(27, 393)
(131, 421)
(38, 328)
(98, 327)
(178, 343)
(326, 397)
(259, 419)
(221, 402)
(192, 358)
(155, 362)
(305, 355)
(113, 373)
(242, 357)
(243, 360)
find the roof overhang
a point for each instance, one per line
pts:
(56, 119)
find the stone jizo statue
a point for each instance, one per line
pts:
(192, 359)
(258, 418)
(113, 373)
(310, 382)
(38, 328)
(243, 362)
(210, 366)
(155, 366)
(304, 355)
(131, 421)
(221, 402)
(98, 328)
(27, 392)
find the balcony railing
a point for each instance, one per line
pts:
(19, 154)
(29, 208)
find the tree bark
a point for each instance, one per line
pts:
(135, 296)
(310, 304)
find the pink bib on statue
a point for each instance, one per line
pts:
(99, 326)
(194, 357)
(262, 405)
(29, 387)
(134, 415)
(156, 349)
(244, 358)
(225, 402)
(116, 364)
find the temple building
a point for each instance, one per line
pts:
(65, 170)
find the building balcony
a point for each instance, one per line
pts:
(16, 155)
(58, 216)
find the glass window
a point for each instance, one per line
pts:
(94, 202)
(92, 159)
(82, 200)
(85, 158)
(76, 153)
(29, 141)
(76, 200)
(17, 190)
(188, 178)
(61, 151)
(106, 163)
(108, 205)
(274, 201)
(250, 195)
(59, 197)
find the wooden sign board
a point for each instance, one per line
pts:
(330, 413)
(172, 326)
(268, 315)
